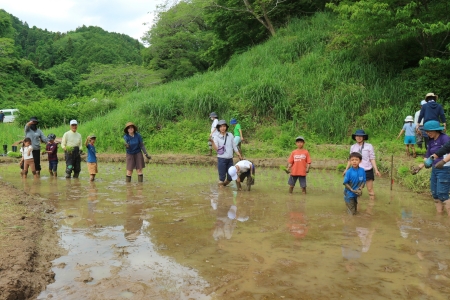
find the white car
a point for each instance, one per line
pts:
(10, 115)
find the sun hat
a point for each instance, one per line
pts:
(73, 122)
(431, 95)
(34, 119)
(362, 133)
(432, 126)
(409, 119)
(128, 125)
(51, 137)
(232, 171)
(233, 121)
(213, 115)
(220, 123)
(299, 138)
(423, 102)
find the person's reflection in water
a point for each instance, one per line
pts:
(404, 224)
(355, 242)
(133, 221)
(73, 190)
(92, 203)
(297, 224)
(227, 215)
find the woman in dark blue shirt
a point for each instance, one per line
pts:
(135, 146)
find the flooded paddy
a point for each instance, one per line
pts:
(178, 236)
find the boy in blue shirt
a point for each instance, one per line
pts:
(91, 156)
(354, 181)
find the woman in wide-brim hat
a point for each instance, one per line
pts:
(134, 145)
(440, 172)
(223, 143)
(368, 162)
(410, 135)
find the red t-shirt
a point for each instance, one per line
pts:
(299, 159)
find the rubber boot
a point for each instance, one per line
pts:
(439, 206)
(141, 178)
(55, 174)
(220, 184)
(291, 189)
(51, 173)
(75, 175)
(226, 182)
(128, 179)
(68, 175)
(447, 206)
(304, 190)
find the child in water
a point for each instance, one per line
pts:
(298, 165)
(410, 135)
(27, 158)
(354, 181)
(52, 150)
(92, 157)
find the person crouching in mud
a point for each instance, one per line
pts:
(71, 144)
(223, 143)
(243, 169)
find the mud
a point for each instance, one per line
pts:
(28, 244)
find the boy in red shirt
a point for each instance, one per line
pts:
(299, 163)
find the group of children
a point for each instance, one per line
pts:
(51, 149)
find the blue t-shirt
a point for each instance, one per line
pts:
(135, 143)
(353, 177)
(92, 158)
(410, 129)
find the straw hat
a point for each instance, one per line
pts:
(431, 95)
(128, 125)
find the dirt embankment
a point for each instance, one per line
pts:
(27, 244)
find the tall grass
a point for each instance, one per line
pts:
(293, 84)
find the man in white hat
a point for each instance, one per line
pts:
(71, 144)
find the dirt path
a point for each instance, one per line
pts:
(28, 242)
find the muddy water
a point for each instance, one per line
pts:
(177, 236)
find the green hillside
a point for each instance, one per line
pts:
(294, 84)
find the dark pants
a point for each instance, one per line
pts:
(223, 164)
(424, 136)
(73, 162)
(37, 159)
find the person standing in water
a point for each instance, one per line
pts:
(134, 145)
(71, 144)
(368, 162)
(37, 137)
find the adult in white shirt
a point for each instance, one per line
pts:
(71, 144)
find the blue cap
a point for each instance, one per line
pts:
(233, 121)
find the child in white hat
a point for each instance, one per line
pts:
(243, 169)
(409, 128)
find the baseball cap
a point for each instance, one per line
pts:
(299, 138)
(233, 173)
(73, 122)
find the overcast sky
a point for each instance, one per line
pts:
(122, 16)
